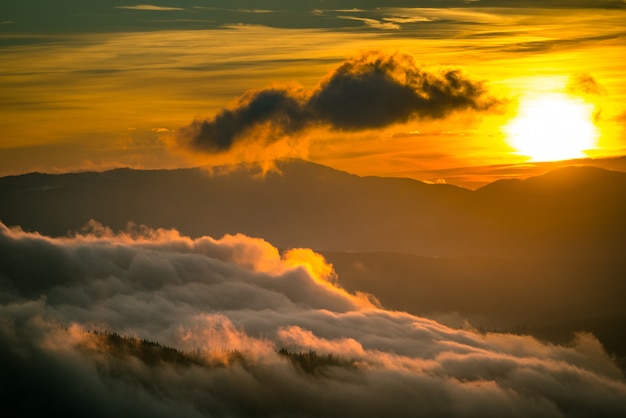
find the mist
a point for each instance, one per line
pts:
(209, 298)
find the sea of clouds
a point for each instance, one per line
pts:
(240, 294)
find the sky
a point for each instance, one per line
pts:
(89, 85)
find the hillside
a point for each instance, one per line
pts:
(568, 213)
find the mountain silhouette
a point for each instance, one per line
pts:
(567, 213)
(549, 298)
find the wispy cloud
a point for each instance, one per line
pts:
(149, 7)
(372, 22)
(254, 11)
(456, 15)
(322, 11)
(405, 19)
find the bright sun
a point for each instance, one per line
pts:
(553, 127)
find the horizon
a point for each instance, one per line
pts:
(456, 176)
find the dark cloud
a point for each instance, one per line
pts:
(203, 296)
(376, 90)
(585, 85)
(373, 90)
(277, 109)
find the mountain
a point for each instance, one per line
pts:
(572, 212)
(567, 213)
(551, 299)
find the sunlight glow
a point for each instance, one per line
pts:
(553, 127)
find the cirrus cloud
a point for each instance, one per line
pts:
(150, 7)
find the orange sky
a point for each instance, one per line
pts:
(102, 97)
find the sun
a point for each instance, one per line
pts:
(553, 127)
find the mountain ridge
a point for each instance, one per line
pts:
(565, 213)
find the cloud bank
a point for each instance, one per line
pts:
(370, 91)
(241, 295)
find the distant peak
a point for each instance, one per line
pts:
(564, 178)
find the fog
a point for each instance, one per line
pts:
(209, 298)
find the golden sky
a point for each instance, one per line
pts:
(97, 87)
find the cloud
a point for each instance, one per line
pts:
(407, 19)
(149, 7)
(254, 11)
(208, 297)
(353, 10)
(456, 15)
(261, 11)
(371, 91)
(584, 84)
(372, 22)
